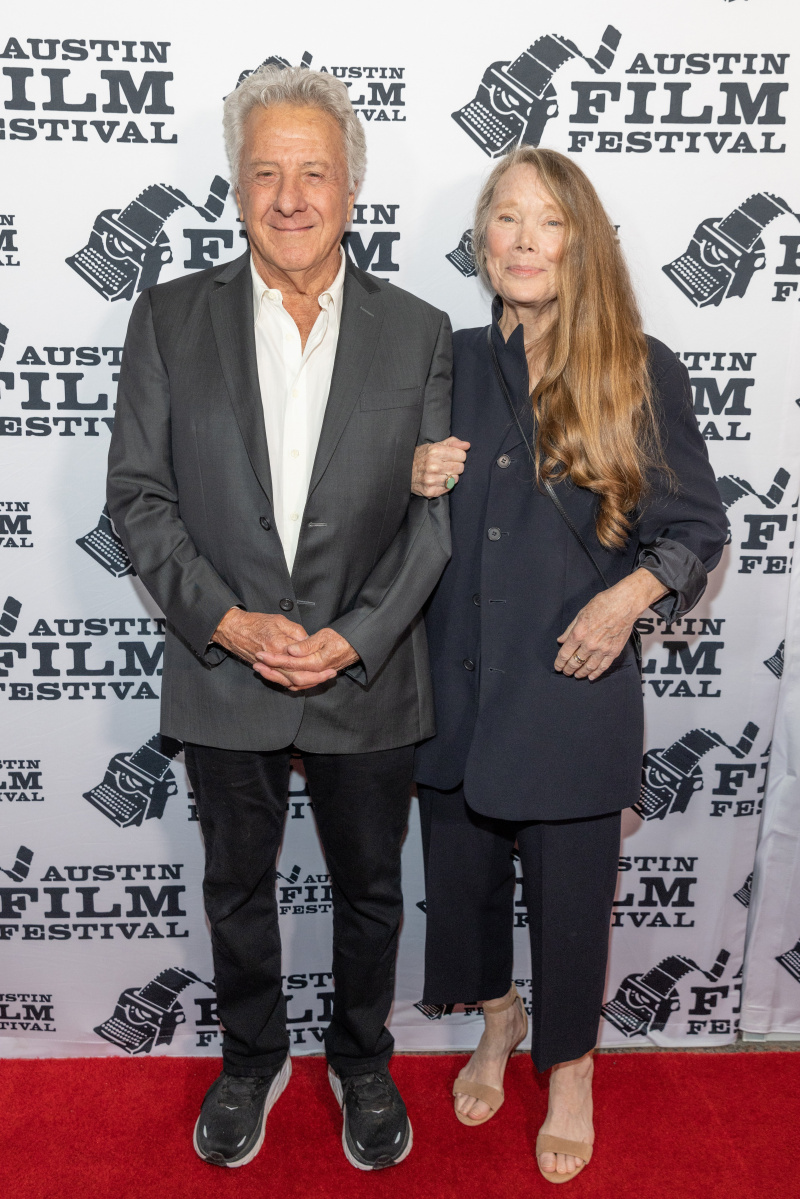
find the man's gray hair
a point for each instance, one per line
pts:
(293, 85)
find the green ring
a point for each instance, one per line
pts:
(450, 482)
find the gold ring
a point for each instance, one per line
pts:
(581, 660)
(450, 482)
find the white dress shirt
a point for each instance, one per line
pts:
(294, 387)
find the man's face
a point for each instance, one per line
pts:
(293, 191)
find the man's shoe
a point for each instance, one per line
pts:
(377, 1131)
(230, 1128)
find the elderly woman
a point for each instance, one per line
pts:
(586, 499)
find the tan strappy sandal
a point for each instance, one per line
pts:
(547, 1144)
(492, 1096)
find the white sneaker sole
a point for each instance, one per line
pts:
(277, 1087)
(336, 1087)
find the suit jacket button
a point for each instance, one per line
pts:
(286, 605)
(265, 523)
(503, 461)
(476, 599)
(494, 534)
(469, 664)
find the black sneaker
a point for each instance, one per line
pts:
(230, 1128)
(377, 1131)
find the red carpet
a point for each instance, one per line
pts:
(669, 1125)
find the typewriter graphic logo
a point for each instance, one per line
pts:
(791, 961)
(725, 253)
(775, 663)
(136, 786)
(671, 776)
(127, 249)
(22, 865)
(462, 257)
(103, 544)
(148, 1016)
(275, 60)
(515, 100)
(435, 1011)
(745, 891)
(9, 616)
(731, 488)
(644, 1002)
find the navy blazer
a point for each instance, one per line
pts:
(527, 742)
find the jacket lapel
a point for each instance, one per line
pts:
(231, 305)
(359, 331)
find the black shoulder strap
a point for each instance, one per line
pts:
(548, 485)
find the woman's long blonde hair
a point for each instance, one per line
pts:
(595, 421)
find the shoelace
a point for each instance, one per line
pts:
(370, 1092)
(236, 1092)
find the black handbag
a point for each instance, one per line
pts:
(635, 637)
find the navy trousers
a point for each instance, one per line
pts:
(569, 872)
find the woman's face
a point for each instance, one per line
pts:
(524, 239)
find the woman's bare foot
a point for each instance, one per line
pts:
(569, 1112)
(502, 1031)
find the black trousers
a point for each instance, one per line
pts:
(361, 808)
(569, 871)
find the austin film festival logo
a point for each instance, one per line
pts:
(34, 393)
(148, 1016)
(644, 1002)
(671, 776)
(21, 780)
(67, 96)
(15, 525)
(515, 101)
(763, 532)
(374, 101)
(301, 893)
(376, 93)
(724, 253)
(9, 255)
(32, 1013)
(62, 664)
(88, 902)
(656, 891)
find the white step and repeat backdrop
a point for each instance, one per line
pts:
(687, 118)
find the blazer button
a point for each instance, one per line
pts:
(469, 664)
(494, 534)
(476, 599)
(286, 605)
(503, 461)
(265, 523)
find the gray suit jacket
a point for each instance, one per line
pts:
(190, 494)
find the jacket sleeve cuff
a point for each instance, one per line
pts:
(201, 644)
(678, 569)
(368, 663)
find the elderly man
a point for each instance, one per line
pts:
(259, 476)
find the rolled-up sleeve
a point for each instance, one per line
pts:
(683, 528)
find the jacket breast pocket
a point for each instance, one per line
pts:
(398, 397)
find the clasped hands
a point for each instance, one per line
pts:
(281, 651)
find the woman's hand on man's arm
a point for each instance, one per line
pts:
(600, 630)
(434, 463)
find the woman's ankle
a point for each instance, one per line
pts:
(492, 1006)
(583, 1066)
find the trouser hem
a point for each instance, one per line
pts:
(264, 1068)
(347, 1068)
